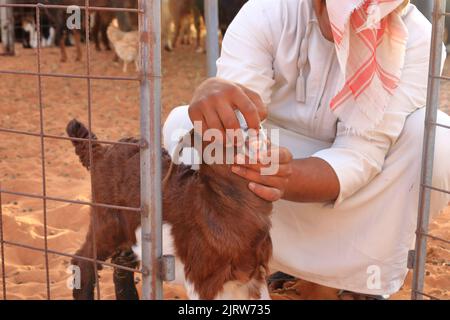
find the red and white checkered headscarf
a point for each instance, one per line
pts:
(370, 39)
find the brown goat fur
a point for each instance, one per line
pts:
(220, 228)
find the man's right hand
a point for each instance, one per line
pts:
(215, 101)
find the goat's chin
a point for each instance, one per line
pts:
(232, 290)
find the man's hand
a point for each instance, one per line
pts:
(268, 187)
(215, 101)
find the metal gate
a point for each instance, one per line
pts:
(149, 12)
(417, 258)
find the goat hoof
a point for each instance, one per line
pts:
(126, 258)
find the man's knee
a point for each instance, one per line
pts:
(412, 138)
(414, 128)
(441, 170)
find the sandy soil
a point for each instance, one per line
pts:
(115, 114)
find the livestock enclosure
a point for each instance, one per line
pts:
(418, 256)
(45, 192)
(150, 146)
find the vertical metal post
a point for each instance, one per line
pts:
(7, 28)
(2, 249)
(91, 155)
(42, 138)
(212, 38)
(428, 149)
(151, 195)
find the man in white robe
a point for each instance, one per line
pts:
(347, 210)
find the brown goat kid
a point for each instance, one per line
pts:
(220, 228)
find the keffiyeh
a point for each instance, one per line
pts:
(370, 39)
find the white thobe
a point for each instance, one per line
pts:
(360, 242)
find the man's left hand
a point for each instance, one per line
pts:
(268, 187)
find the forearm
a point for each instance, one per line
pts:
(312, 180)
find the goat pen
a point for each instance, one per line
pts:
(155, 267)
(152, 264)
(417, 257)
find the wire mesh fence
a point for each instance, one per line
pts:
(149, 79)
(417, 258)
(149, 12)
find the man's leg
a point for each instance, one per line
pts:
(337, 247)
(392, 197)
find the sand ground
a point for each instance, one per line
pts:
(115, 114)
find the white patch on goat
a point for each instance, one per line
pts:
(168, 249)
(234, 290)
(137, 248)
(31, 29)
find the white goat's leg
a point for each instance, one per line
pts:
(235, 290)
(232, 290)
(125, 67)
(136, 63)
(168, 249)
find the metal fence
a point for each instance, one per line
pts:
(152, 263)
(149, 12)
(417, 258)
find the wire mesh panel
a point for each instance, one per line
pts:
(418, 257)
(150, 146)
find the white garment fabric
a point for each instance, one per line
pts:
(276, 48)
(360, 242)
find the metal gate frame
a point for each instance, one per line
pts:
(417, 258)
(149, 12)
(212, 37)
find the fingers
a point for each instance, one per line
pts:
(281, 154)
(248, 109)
(230, 122)
(284, 170)
(266, 193)
(277, 181)
(212, 119)
(275, 156)
(257, 101)
(223, 97)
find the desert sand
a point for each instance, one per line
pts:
(115, 114)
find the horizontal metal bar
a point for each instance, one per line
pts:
(435, 189)
(55, 137)
(438, 124)
(84, 203)
(445, 78)
(58, 253)
(426, 295)
(58, 6)
(434, 237)
(68, 75)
